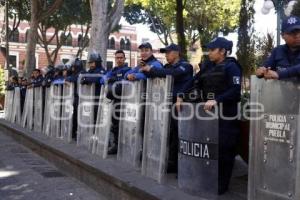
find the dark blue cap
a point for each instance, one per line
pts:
(220, 42)
(290, 24)
(171, 47)
(146, 45)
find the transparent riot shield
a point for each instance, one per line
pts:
(131, 123)
(156, 130)
(274, 140)
(27, 115)
(67, 112)
(103, 125)
(47, 113)
(55, 111)
(38, 109)
(9, 98)
(85, 128)
(198, 150)
(16, 109)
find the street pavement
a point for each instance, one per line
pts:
(26, 176)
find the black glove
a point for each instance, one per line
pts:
(112, 80)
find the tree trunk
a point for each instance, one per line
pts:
(180, 28)
(32, 39)
(103, 22)
(37, 15)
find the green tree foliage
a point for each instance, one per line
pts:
(296, 9)
(2, 82)
(203, 19)
(246, 44)
(264, 46)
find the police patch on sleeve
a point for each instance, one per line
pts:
(182, 68)
(236, 80)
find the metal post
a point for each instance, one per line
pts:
(279, 9)
(7, 35)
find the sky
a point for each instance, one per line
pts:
(263, 25)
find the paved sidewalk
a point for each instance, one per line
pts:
(25, 175)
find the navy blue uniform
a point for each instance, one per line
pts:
(152, 62)
(114, 80)
(222, 82)
(99, 70)
(37, 82)
(116, 74)
(285, 62)
(181, 72)
(77, 69)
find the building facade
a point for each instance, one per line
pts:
(125, 39)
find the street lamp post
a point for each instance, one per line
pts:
(7, 35)
(283, 8)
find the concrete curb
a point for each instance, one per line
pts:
(113, 179)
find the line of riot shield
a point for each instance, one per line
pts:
(27, 115)
(38, 109)
(67, 112)
(47, 110)
(85, 128)
(131, 123)
(157, 126)
(55, 111)
(16, 109)
(274, 166)
(198, 151)
(103, 124)
(9, 97)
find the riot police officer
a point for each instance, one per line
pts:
(114, 80)
(219, 83)
(284, 61)
(37, 78)
(147, 58)
(182, 72)
(95, 68)
(76, 69)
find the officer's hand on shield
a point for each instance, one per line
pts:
(111, 80)
(209, 104)
(270, 74)
(260, 72)
(178, 104)
(131, 77)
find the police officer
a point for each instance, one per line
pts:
(182, 72)
(37, 78)
(76, 69)
(23, 87)
(114, 80)
(58, 78)
(95, 68)
(284, 61)
(147, 59)
(219, 81)
(49, 76)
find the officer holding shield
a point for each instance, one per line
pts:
(219, 82)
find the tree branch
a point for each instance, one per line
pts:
(115, 14)
(51, 9)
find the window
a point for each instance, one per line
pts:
(122, 44)
(66, 40)
(111, 43)
(65, 60)
(13, 61)
(127, 44)
(109, 65)
(14, 37)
